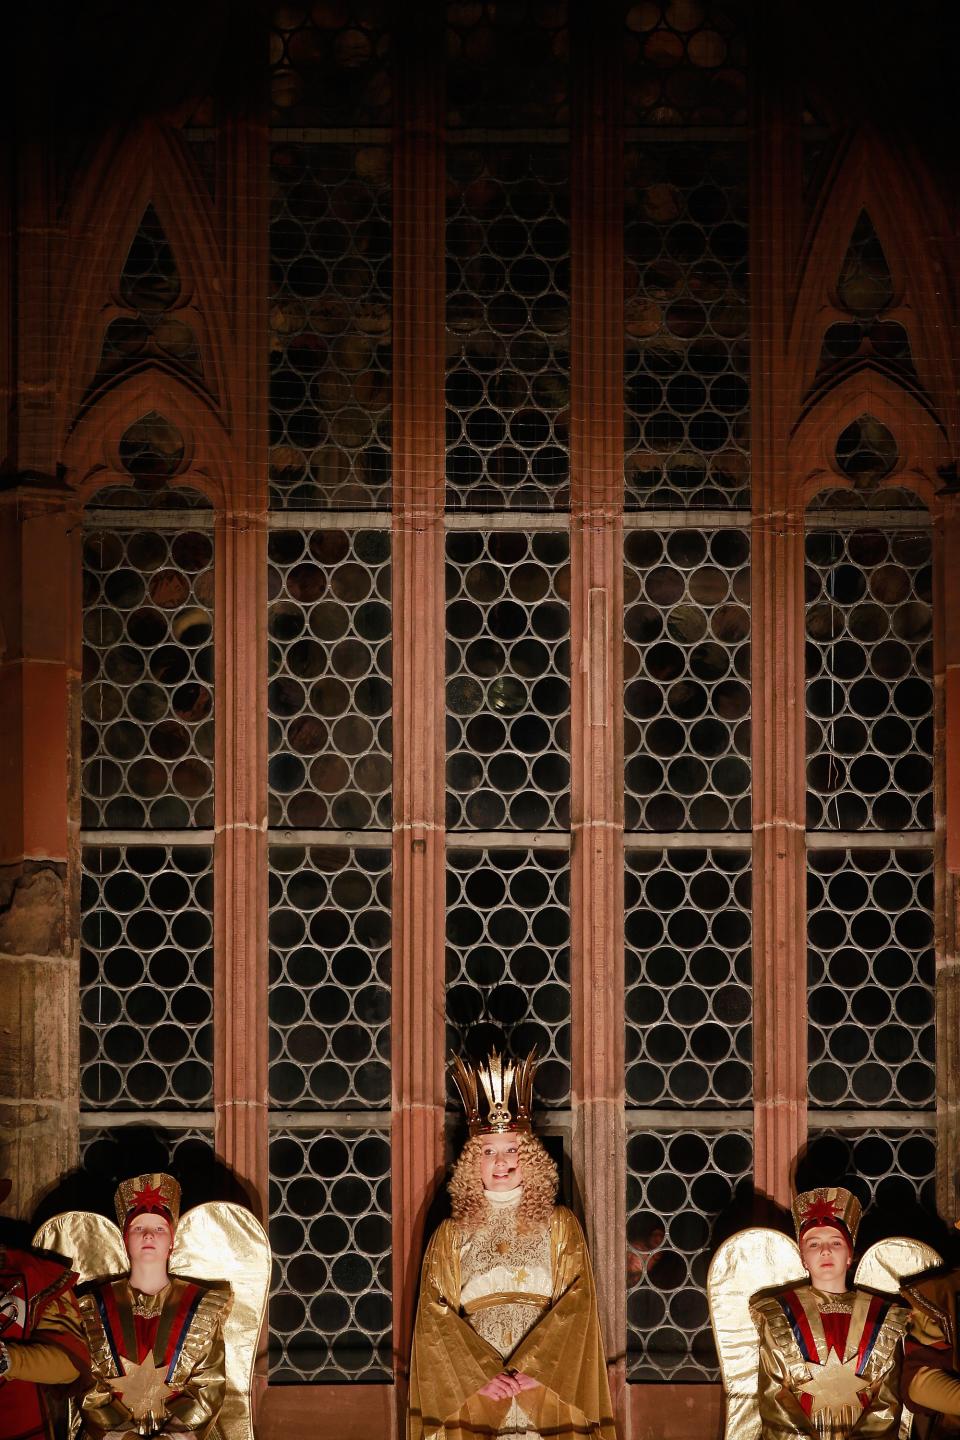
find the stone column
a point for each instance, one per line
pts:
(418, 1024)
(240, 847)
(779, 857)
(596, 618)
(39, 971)
(39, 649)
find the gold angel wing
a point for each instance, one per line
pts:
(92, 1244)
(885, 1266)
(752, 1260)
(222, 1241)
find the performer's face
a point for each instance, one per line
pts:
(149, 1239)
(500, 1162)
(826, 1256)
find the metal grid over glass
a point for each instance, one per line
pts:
(508, 326)
(865, 290)
(689, 978)
(866, 451)
(330, 1302)
(685, 62)
(687, 679)
(508, 679)
(508, 958)
(330, 326)
(507, 64)
(685, 1191)
(869, 669)
(147, 697)
(146, 977)
(330, 693)
(892, 1173)
(329, 999)
(870, 962)
(150, 289)
(111, 1153)
(686, 362)
(152, 451)
(330, 63)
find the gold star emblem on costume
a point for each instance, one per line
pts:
(143, 1389)
(834, 1385)
(520, 1275)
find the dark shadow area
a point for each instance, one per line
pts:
(896, 1200)
(136, 1150)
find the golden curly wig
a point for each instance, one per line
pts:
(538, 1176)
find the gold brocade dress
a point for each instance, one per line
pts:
(497, 1298)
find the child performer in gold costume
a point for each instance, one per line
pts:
(507, 1341)
(829, 1355)
(156, 1341)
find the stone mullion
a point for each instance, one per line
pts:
(777, 673)
(240, 617)
(39, 669)
(947, 853)
(418, 1008)
(596, 618)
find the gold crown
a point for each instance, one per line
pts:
(496, 1078)
(830, 1205)
(147, 1192)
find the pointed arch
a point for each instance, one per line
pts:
(149, 166)
(91, 454)
(922, 443)
(903, 210)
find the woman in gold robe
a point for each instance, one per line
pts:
(507, 1341)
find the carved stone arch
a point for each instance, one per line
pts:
(871, 176)
(149, 166)
(922, 443)
(91, 455)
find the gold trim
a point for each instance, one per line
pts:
(506, 1297)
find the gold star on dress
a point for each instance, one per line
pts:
(519, 1276)
(834, 1385)
(143, 1388)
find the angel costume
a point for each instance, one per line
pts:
(501, 1297)
(157, 1360)
(829, 1362)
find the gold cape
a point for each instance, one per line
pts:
(563, 1351)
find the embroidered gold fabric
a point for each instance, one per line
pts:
(562, 1350)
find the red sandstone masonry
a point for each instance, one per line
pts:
(596, 619)
(418, 1027)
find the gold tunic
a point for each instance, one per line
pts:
(837, 1384)
(196, 1372)
(530, 1305)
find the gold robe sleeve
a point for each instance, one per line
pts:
(41, 1360)
(563, 1351)
(100, 1412)
(449, 1361)
(199, 1374)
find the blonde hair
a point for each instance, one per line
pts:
(538, 1176)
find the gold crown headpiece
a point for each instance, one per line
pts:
(155, 1192)
(830, 1205)
(499, 1079)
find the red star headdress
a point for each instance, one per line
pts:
(827, 1206)
(155, 1194)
